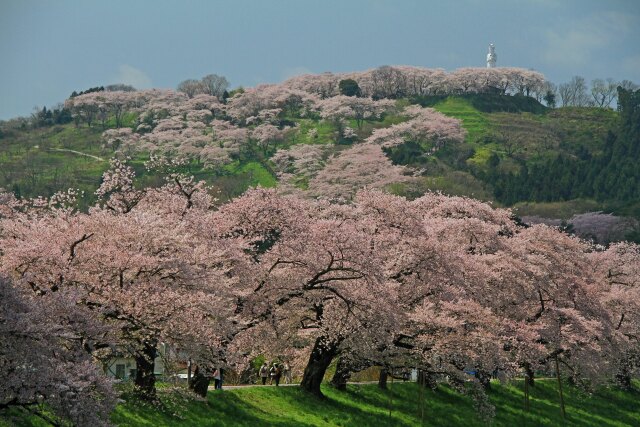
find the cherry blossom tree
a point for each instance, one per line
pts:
(319, 273)
(441, 283)
(360, 166)
(425, 125)
(295, 166)
(102, 104)
(402, 80)
(619, 269)
(138, 261)
(267, 135)
(324, 85)
(245, 107)
(83, 108)
(543, 283)
(355, 108)
(171, 123)
(43, 359)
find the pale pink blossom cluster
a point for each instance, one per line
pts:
(358, 167)
(139, 263)
(619, 267)
(424, 125)
(43, 360)
(301, 161)
(246, 107)
(267, 135)
(400, 81)
(355, 108)
(440, 283)
(172, 123)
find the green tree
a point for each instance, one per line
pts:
(550, 99)
(349, 87)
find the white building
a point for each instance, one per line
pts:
(123, 366)
(491, 56)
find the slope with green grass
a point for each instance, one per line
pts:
(367, 405)
(502, 137)
(403, 404)
(473, 120)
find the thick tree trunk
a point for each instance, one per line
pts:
(562, 409)
(342, 374)
(319, 360)
(427, 379)
(528, 374)
(623, 378)
(145, 381)
(200, 383)
(382, 381)
(626, 366)
(484, 378)
(526, 395)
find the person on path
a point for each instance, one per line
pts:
(217, 379)
(278, 375)
(264, 373)
(272, 373)
(286, 370)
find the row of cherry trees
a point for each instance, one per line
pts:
(383, 82)
(402, 81)
(439, 283)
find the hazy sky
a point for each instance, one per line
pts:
(50, 48)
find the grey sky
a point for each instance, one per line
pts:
(50, 48)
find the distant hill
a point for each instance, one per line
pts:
(546, 163)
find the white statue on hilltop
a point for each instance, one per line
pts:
(491, 56)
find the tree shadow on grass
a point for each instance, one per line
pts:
(297, 407)
(369, 406)
(582, 409)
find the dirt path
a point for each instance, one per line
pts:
(231, 387)
(77, 152)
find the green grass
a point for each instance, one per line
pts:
(582, 126)
(39, 162)
(325, 132)
(35, 162)
(366, 405)
(457, 183)
(560, 210)
(474, 121)
(256, 173)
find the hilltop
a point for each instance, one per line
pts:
(303, 135)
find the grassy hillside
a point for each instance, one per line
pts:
(366, 405)
(44, 160)
(473, 120)
(501, 142)
(39, 162)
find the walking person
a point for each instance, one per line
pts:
(272, 373)
(217, 379)
(264, 373)
(277, 375)
(286, 370)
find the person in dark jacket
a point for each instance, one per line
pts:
(278, 374)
